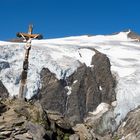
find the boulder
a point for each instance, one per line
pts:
(36, 131)
(83, 132)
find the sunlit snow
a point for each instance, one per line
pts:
(62, 56)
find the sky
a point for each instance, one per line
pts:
(62, 18)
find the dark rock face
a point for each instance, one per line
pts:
(104, 77)
(80, 93)
(85, 94)
(3, 91)
(52, 92)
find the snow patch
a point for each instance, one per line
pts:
(101, 108)
(69, 90)
(85, 56)
(75, 81)
(100, 88)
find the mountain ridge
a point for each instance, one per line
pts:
(131, 32)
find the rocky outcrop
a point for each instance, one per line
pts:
(20, 120)
(134, 36)
(130, 127)
(104, 78)
(73, 97)
(3, 91)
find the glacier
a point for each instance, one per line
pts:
(63, 56)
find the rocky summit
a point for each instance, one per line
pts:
(78, 88)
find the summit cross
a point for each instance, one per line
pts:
(28, 39)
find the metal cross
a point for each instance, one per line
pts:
(28, 39)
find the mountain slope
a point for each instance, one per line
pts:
(63, 56)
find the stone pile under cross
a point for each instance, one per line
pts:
(28, 39)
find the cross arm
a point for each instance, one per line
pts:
(28, 36)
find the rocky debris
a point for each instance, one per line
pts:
(74, 96)
(102, 121)
(60, 120)
(82, 131)
(74, 137)
(23, 137)
(3, 91)
(36, 131)
(130, 127)
(98, 125)
(22, 121)
(28, 121)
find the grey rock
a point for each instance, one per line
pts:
(37, 131)
(2, 137)
(21, 110)
(21, 131)
(104, 77)
(28, 136)
(83, 132)
(5, 133)
(74, 137)
(3, 91)
(20, 137)
(134, 35)
(130, 127)
(73, 97)
(53, 95)
(2, 127)
(57, 118)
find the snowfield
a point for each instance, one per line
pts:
(62, 56)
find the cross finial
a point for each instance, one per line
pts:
(30, 30)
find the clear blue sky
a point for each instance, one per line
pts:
(59, 18)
